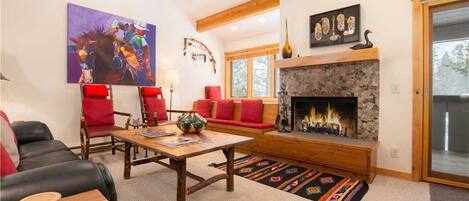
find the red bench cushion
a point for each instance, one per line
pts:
(6, 167)
(158, 105)
(239, 123)
(213, 93)
(222, 121)
(251, 111)
(98, 112)
(204, 107)
(95, 91)
(225, 109)
(151, 91)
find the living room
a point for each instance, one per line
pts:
(275, 100)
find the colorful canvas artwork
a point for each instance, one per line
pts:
(103, 48)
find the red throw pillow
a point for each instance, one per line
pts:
(7, 139)
(150, 91)
(213, 93)
(6, 166)
(95, 90)
(204, 107)
(225, 109)
(251, 111)
(5, 117)
(158, 105)
(98, 112)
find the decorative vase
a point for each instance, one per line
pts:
(287, 51)
(191, 122)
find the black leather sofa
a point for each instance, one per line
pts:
(48, 165)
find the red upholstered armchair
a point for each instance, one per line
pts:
(153, 106)
(97, 118)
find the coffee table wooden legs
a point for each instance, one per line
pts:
(127, 163)
(229, 154)
(180, 167)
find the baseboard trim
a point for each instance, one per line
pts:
(394, 173)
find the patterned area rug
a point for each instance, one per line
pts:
(305, 182)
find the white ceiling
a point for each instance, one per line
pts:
(247, 28)
(197, 9)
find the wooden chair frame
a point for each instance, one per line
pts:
(145, 113)
(86, 146)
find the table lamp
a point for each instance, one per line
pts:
(171, 79)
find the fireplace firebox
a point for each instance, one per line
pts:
(325, 115)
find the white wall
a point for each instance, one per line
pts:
(1, 70)
(391, 22)
(34, 58)
(255, 41)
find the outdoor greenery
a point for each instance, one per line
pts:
(260, 76)
(451, 67)
(239, 78)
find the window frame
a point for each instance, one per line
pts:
(271, 50)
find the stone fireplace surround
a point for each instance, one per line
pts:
(351, 79)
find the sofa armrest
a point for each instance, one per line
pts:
(67, 178)
(31, 131)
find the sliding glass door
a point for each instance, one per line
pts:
(447, 93)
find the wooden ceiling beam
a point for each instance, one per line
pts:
(237, 13)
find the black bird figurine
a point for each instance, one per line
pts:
(368, 43)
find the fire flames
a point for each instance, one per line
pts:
(329, 121)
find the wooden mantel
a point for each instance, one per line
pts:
(330, 58)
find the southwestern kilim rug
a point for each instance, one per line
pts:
(305, 182)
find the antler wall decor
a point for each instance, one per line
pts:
(201, 52)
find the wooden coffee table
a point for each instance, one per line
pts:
(209, 141)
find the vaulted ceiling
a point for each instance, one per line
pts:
(197, 9)
(265, 23)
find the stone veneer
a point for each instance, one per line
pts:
(354, 79)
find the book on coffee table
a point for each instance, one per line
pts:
(155, 133)
(175, 141)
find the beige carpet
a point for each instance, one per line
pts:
(152, 182)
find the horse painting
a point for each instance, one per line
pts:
(108, 49)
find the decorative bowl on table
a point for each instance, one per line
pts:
(191, 122)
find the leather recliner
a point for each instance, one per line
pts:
(48, 165)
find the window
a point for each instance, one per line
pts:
(251, 73)
(260, 76)
(239, 79)
(450, 67)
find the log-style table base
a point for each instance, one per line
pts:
(180, 167)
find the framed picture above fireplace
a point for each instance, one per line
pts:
(325, 115)
(335, 27)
